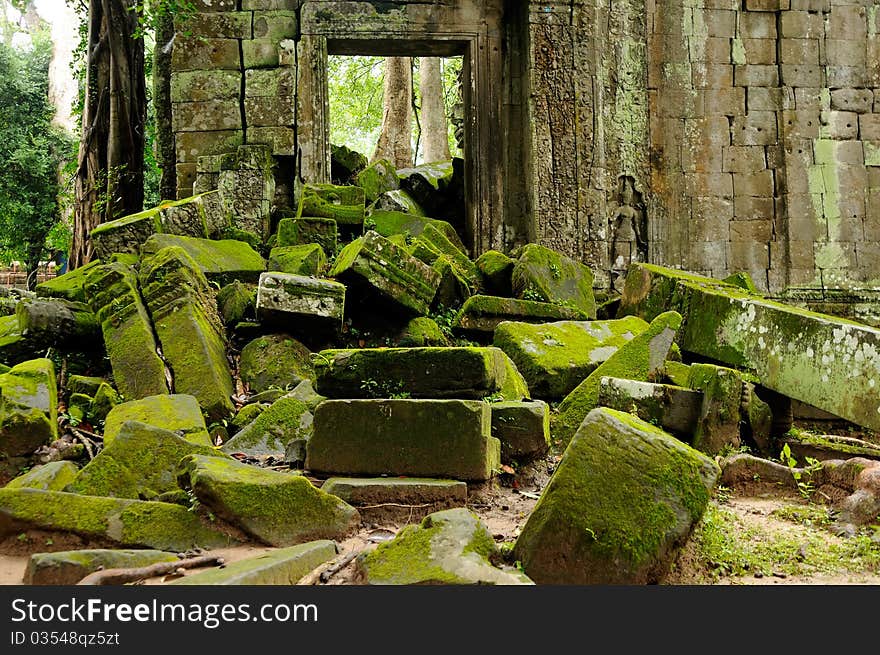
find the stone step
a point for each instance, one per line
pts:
(410, 499)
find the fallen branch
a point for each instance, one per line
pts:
(322, 574)
(85, 441)
(121, 576)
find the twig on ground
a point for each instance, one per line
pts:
(121, 576)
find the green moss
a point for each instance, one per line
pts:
(178, 413)
(53, 476)
(308, 259)
(677, 373)
(377, 178)
(421, 332)
(551, 277)
(284, 420)
(247, 414)
(495, 270)
(344, 204)
(69, 286)
(302, 231)
(276, 360)
(69, 567)
(252, 239)
(236, 301)
(222, 261)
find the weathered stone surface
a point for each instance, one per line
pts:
(344, 204)
(302, 231)
(415, 492)
(495, 269)
(523, 428)
(345, 163)
(69, 286)
(623, 499)
(178, 413)
(283, 421)
(14, 347)
(451, 547)
(275, 361)
(114, 296)
(827, 447)
(197, 86)
(247, 186)
(548, 276)
(236, 302)
(675, 409)
(307, 260)
(374, 265)
(428, 184)
(465, 373)
(53, 476)
(28, 407)
(433, 244)
(285, 299)
(555, 357)
(222, 261)
(126, 522)
(421, 332)
(638, 359)
(279, 509)
(792, 351)
(305, 392)
(280, 567)
(719, 422)
(398, 200)
(84, 384)
(184, 313)
(425, 438)
(140, 462)
(71, 566)
(482, 314)
(376, 179)
(58, 323)
(389, 223)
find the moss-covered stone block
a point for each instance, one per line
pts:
(283, 421)
(481, 314)
(14, 347)
(555, 357)
(374, 266)
(105, 399)
(84, 384)
(69, 286)
(345, 163)
(454, 288)
(344, 204)
(451, 547)
(465, 373)
(639, 359)
(247, 414)
(275, 361)
(222, 261)
(140, 462)
(522, 427)
(70, 566)
(424, 438)
(398, 200)
(548, 276)
(279, 509)
(308, 259)
(421, 332)
(236, 302)
(150, 524)
(495, 269)
(429, 185)
(432, 244)
(742, 280)
(284, 566)
(390, 223)
(622, 501)
(676, 373)
(719, 421)
(376, 179)
(179, 413)
(673, 408)
(53, 322)
(285, 299)
(114, 296)
(53, 476)
(305, 392)
(28, 407)
(305, 230)
(414, 492)
(758, 417)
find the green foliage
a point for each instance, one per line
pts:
(805, 487)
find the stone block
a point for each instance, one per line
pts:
(712, 76)
(275, 25)
(271, 82)
(196, 53)
(281, 140)
(846, 76)
(801, 124)
(206, 115)
(192, 145)
(755, 128)
(481, 314)
(523, 428)
(708, 229)
(285, 298)
(286, 420)
(756, 75)
(845, 52)
(344, 204)
(801, 25)
(729, 102)
(743, 159)
(869, 127)
(69, 567)
(308, 260)
(222, 261)
(715, 50)
(718, 424)
(719, 22)
(673, 408)
(199, 86)
(178, 413)
(757, 25)
(266, 111)
(750, 231)
(302, 231)
(28, 411)
(750, 208)
(707, 256)
(216, 25)
(758, 184)
(798, 51)
(412, 497)
(798, 75)
(764, 99)
(53, 476)
(846, 22)
(840, 125)
(748, 256)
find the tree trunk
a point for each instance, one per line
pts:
(435, 133)
(395, 139)
(32, 265)
(165, 155)
(110, 172)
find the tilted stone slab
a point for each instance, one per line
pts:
(184, 312)
(424, 438)
(178, 413)
(556, 357)
(622, 501)
(53, 476)
(307, 260)
(344, 204)
(464, 373)
(279, 509)
(824, 361)
(482, 314)
(375, 266)
(639, 359)
(553, 278)
(285, 566)
(718, 425)
(451, 547)
(58, 323)
(495, 269)
(439, 494)
(222, 261)
(70, 285)
(28, 407)
(115, 297)
(675, 409)
(150, 524)
(377, 178)
(523, 428)
(285, 299)
(269, 433)
(305, 230)
(70, 566)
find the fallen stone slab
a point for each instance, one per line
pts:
(639, 359)
(464, 373)
(421, 332)
(53, 476)
(823, 447)
(344, 204)
(428, 184)
(306, 230)
(308, 260)
(188, 326)
(382, 499)
(824, 361)
(287, 299)
(433, 243)
(482, 314)
(454, 288)
(150, 524)
(345, 163)
(621, 503)
(14, 347)
(285, 566)
(675, 409)
(58, 323)
(376, 268)
(70, 566)
(114, 296)
(69, 286)
(398, 200)
(556, 357)
(422, 438)
(221, 260)
(546, 275)
(448, 547)
(377, 178)
(279, 509)
(178, 413)
(283, 421)
(275, 361)
(718, 426)
(523, 428)
(237, 302)
(140, 463)
(495, 269)
(28, 407)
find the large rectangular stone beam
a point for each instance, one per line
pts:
(822, 360)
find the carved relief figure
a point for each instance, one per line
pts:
(629, 241)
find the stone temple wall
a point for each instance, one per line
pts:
(712, 135)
